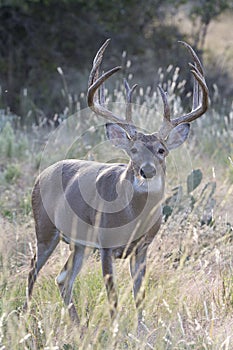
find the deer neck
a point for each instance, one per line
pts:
(142, 187)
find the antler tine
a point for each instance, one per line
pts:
(95, 82)
(129, 92)
(194, 56)
(166, 124)
(97, 62)
(200, 95)
(102, 95)
(166, 108)
(196, 90)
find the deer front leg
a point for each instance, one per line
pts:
(107, 269)
(137, 271)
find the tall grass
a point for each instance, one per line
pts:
(189, 283)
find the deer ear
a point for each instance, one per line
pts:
(177, 136)
(117, 135)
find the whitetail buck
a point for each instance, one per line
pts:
(114, 207)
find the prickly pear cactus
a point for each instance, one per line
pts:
(193, 180)
(190, 201)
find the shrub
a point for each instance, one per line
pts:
(13, 143)
(12, 173)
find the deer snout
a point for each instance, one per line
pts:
(147, 171)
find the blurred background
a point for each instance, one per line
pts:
(38, 36)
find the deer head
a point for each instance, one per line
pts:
(122, 131)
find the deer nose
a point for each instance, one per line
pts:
(148, 171)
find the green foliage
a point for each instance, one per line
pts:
(12, 173)
(7, 141)
(25, 204)
(139, 27)
(207, 10)
(202, 13)
(12, 144)
(7, 213)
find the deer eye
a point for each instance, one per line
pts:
(161, 151)
(134, 150)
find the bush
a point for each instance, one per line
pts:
(13, 144)
(12, 173)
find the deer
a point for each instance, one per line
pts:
(114, 207)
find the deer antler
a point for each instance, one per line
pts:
(200, 97)
(129, 92)
(95, 98)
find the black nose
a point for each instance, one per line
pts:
(147, 171)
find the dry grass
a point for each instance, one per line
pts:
(189, 302)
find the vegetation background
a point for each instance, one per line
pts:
(46, 52)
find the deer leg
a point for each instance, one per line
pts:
(137, 271)
(44, 250)
(107, 269)
(65, 280)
